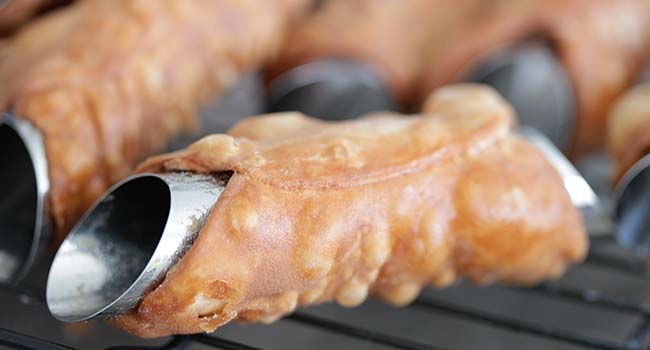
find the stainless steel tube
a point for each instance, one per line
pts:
(24, 185)
(330, 88)
(532, 79)
(632, 208)
(631, 201)
(125, 244)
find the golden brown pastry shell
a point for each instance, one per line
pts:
(387, 204)
(110, 82)
(603, 45)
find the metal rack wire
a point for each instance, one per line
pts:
(637, 339)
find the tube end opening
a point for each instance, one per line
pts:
(533, 80)
(632, 208)
(330, 89)
(21, 198)
(109, 249)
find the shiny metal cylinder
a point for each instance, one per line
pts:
(330, 89)
(535, 82)
(631, 201)
(125, 244)
(24, 185)
(632, 208)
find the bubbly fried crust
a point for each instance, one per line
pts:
(603, 44)
(109, 82)
(320, 211)
(628, 131)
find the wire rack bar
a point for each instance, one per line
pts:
(521, 326)
(591, 297)
(25, 342)
(359, 333)
(639, 335)
(635, 268)
(177, 343)
(221, 343)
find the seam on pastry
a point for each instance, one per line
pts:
(411, 167)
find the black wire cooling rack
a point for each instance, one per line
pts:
(610, 282)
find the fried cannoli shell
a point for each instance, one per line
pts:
(321, 211)
(389, 36)
(602, 44)
(628, 132)
(109, 82)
